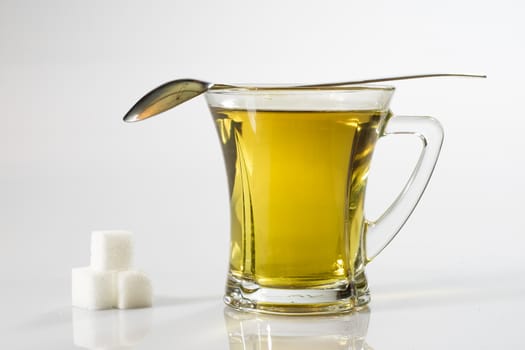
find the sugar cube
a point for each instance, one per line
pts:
(111, 250)
(92, 289)
(133, 290)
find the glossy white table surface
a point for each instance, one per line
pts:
(460, 312)
(69, 70)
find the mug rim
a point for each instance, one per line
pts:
(293, 98)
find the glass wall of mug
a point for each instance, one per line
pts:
(297, 162)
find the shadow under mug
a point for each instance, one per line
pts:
(297, 161)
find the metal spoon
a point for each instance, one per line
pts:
(175, 92)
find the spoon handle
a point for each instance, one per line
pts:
(404, 77)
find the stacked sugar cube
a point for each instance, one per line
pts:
(110, 281)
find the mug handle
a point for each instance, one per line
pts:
(379, 233)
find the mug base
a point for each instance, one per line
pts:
(345, 296)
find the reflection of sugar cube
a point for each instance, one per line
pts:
(110, 329)
(93, 289)
(133, 289)
(111, 250)
(134, 325)
(95, 330)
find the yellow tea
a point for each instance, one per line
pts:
(297, 183)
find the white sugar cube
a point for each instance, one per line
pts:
(134, 290)
(92, 289)
(111, 250)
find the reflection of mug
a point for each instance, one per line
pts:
(268, 332)
(297, 161)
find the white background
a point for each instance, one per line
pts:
(70, 70)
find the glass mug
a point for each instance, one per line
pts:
(297, 161)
